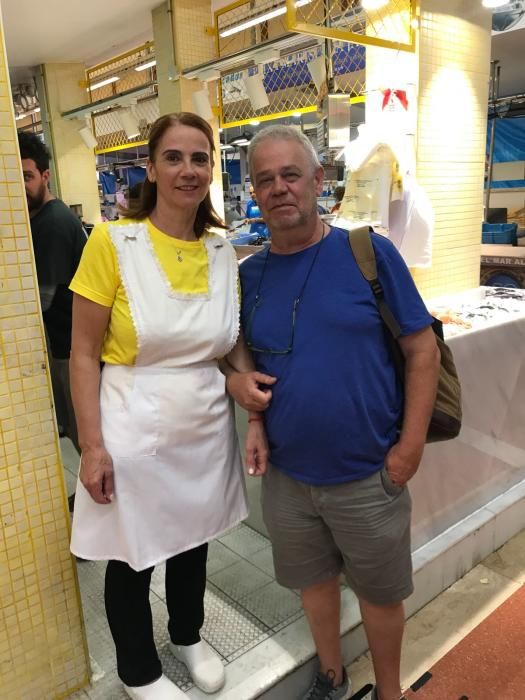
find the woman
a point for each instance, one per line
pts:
(156, 299)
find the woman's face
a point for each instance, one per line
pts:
(182, 167)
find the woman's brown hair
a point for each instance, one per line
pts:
(206, 214)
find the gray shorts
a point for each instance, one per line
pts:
(361, 528)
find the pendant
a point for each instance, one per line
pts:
(179, 256)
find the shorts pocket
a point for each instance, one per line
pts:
(388, 486)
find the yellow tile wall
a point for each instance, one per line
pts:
(42, 645)
(454, 66)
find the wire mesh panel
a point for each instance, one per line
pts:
(109, 128)
(290, 84)
(248, 23)
(125, 72)
(388, 24)
(271, 90)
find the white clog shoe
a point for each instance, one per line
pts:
(203, 663)
(161, 689)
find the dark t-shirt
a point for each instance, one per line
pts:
(58, 241)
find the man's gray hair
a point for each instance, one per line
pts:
(283, 133)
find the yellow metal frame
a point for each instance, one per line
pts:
(130, 144)
(223, 11)
(119, 57)
(344, 35)
(268, 117)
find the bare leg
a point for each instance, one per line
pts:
(322, 607)
(384, 625)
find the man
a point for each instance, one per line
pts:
(253, 215)
(58, 240)
(335, 497)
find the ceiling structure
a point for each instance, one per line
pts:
(84, 31)
(509, 49)
(95, 30)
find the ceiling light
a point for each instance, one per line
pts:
(107, 81)
(129, 122)
(226, 146)
(20, 116)
(36, 109)
(494, 3)
(373, 4)
(255, 122)
(260, 18)
(149, 64)
(87, 137)
(297, 115)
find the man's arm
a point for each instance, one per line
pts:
(243, 382)
(422, 362)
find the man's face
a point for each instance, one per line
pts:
(287, 184)
(252, 194)
(35, 184)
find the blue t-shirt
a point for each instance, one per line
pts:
(337, 402)
(253, 212)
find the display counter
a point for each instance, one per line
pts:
(503, 264)
(485, 329)
(486, 332)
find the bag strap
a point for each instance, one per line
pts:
(363, 250)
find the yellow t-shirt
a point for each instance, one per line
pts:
(98, 279)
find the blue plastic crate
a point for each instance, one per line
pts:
(499, 233)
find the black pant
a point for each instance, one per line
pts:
(129, 612)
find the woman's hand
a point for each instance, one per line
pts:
(256, 448)
(250, 389)
(96, 474)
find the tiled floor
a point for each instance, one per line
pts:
(442, 625)
(243, 604)
(246, 607)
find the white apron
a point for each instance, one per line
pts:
(167, 422)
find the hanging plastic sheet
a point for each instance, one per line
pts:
(509, 144)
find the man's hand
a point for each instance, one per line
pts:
(256, 449)
(402, 462)
(250, 389)
(96, 474)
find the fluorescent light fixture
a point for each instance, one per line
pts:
(20, 116)
(87, 137)
(144, 66)
(491, 4)
(297, 115)
(36, 109)
(226, 147)
(201, 103)
(373, 4)
(129, 122)
(260, 18)
(242, 142)
(107, 81)
(255, 122)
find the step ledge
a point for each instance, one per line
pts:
(281, 667)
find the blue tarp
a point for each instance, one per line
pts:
(108, 181)
(509, 144)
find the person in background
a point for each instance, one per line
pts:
(253, 216)
(58, 240)
(335, 497)
(156, 299)
(339, 193)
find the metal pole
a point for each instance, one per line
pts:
(495, 70)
